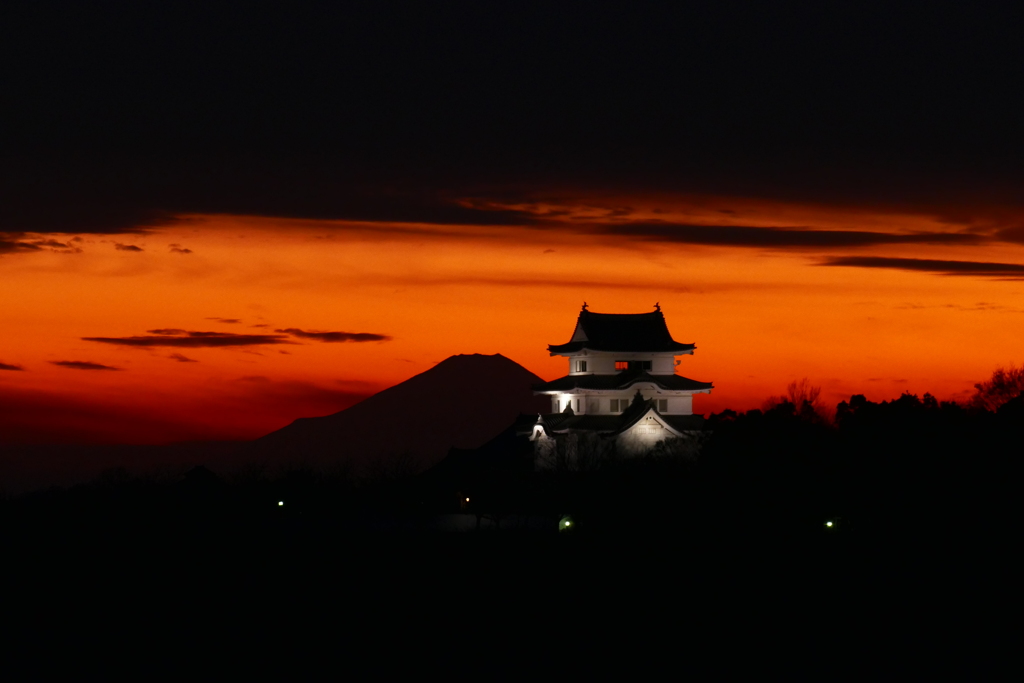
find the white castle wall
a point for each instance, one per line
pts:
(601, 363)
(590, 404)
(680, 405)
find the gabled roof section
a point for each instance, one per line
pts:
(627, 332)
(622, 380)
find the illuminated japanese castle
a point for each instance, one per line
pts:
(622, 387)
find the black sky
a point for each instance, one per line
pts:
(119, 115)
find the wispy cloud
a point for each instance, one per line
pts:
(776, 237)
(230, 321)
(182, 359)
(980, 306)
(126, 247)
(82, 365)
(10, 244)
(17, 243)
(188, 339)
(1014, 234)
(178, 249)
(52, 243)
(8, 366)
(334, 336)
(1013, 271)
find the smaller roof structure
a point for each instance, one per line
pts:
(624, 332)
(568, 421)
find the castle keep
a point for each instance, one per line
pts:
(622, 390)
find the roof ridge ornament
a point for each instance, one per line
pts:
(584, 306)
(657, 306)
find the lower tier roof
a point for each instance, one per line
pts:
(568, 421)
(622, 380)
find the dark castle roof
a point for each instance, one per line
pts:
(621, 332)
(622, 380)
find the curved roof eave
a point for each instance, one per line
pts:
(623, 380)
(677, 348)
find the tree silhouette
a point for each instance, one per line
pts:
(805, 400)
(1003, 385)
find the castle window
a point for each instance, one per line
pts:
(581, 366)
(622, 365)
(662, 405)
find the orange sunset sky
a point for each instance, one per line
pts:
(215, 222)
(760, 316)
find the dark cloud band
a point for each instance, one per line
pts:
(977, 268)
(313, 137)
(8, 366)
(82, 365)
(334, 336)
(776, 237)
(192, 340)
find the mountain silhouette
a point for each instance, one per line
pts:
(461, 402)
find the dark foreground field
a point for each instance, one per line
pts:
(147, 579)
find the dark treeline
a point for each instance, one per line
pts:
(902, 470)
(723, 533)
(909, 468)
(898, 473)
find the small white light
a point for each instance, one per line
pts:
(280, 503)
(828, 524)
(467, 500)
(568, 523)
